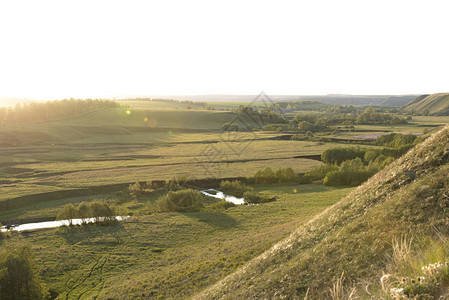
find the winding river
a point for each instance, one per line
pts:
(54, 224)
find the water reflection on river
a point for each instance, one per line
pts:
(221, 195)
(54, 224)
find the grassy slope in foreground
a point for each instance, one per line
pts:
(435, 104)
(355, 235)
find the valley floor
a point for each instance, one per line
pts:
(168, 255)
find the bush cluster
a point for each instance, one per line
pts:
(263, 116)
(221, 205)
(395, 140)
(19, 277)
(187, 200)
(137, 189)
(234, 188)
(282, 175)
(230, 127)
(100, 210)
(252, 197)
(339, 155)
(351, 172)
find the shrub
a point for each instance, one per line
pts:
(370, 155)
(309, 135)
(286, 175)
(221, 205)
(68, 212)
(318, 173)
(230, 127)
(135, 190)
(234, 188)
(339, 155)
(351, 172)
(177, 183)
(396, 152)
(254, 197)
(100, 210)
(83, 211)
(305, 126)
(265, 176)
(395, 140)
(186, 200)
(18, 276)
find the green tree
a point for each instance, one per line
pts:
(265, 176)
(18, 278)
(83, 211)
(305, 126)
(309, 135)
(285, 175)
(186, 200)
(370, 155)
(234, 188)
(101, 211)
(68, 212)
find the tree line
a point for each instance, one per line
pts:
(347, 116)
(99, 210)
(51, 110)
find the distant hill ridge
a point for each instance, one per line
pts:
(355, 237)
(334, 99)
(434, 105)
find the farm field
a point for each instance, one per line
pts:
(125, 145)
(223, 150)
(98, 155)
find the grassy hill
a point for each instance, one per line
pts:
(393, 225)
(435, 104)
(335, 99)
(398, 100)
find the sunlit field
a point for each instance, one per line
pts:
(171, 254)
(223, 150)
(100, 154)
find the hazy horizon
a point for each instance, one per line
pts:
(104, 49)
(10, 101)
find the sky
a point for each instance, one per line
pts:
(95, 49)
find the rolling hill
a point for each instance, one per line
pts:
(434, 105)
(397, 217)
(334, 99)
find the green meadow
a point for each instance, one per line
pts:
(169, 255)
(98, 154)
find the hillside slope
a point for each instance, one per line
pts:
(355, 237)
(435, 104)
(398, 100)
